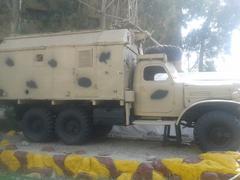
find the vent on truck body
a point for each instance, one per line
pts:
(85, 58)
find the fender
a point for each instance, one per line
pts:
(206, 102)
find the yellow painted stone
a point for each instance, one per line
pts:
(125, 176)
(7, 157)
(79, 164)
(4, 143)
(35, 160)
(212, 162)
(157, 176)
(227, 159)
(38, 160)
(126, 166)
(11, 133)
(99, 168)
(50, 163)
(224, 162)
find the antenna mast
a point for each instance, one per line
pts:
(114, 13)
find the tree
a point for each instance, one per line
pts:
(219, 18)
(55, 15)
(9, 16)
(163, 18)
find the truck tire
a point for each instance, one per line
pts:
(101, 130)
(217, 131)
(73, 126)
(38, 125)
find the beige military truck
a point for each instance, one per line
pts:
(77, 85)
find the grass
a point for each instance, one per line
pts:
(13, 176)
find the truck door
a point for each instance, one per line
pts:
(154, 89)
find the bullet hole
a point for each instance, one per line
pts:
(31, 84)
(104, 57)
(26, 91)
(9, 62)
(159, 94)
(39, 58)
(52, 63)
(84, 82)
(1, 92)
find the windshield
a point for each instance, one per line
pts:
(172, 70)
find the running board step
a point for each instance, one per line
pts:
(167, 129)
(154, 122)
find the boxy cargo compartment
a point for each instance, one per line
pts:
(88, 65)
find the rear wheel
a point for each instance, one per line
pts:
(38, 125)
(73, 126)
(217, 131)
(101, 130)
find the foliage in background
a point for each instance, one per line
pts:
(163, 18)
(55, 16)
(9, 119)
(218, 19)
(5, 18)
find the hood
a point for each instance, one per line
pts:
(210, 87)
(210, 76)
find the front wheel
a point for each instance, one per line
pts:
(217, 131)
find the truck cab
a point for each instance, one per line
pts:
(210, 107)
(155, 87)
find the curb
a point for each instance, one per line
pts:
(212, 165)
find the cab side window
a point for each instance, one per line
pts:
(155, 73)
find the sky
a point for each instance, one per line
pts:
(224, 63)
(232, 62)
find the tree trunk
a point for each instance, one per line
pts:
(178, 26)
(15, 16)
(201, 56)
(103, 11)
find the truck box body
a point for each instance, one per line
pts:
(90, 65)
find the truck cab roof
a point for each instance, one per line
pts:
(147, 57)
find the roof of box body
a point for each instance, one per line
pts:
(66, 39)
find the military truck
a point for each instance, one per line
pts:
(77, 85)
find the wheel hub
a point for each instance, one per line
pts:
(219, 135)
(72, 127)
(35, 125)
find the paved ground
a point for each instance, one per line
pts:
(118, 148)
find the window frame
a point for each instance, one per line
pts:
(156, 65)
